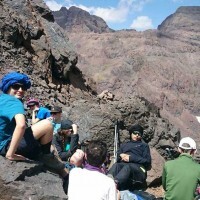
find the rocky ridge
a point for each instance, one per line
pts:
(159, 65)
(78, 20)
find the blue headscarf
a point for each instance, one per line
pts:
(13, 78)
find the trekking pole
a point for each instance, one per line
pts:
(116, 142)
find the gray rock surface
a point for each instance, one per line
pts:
(29, 180)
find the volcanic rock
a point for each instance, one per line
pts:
(77, 20)
(160, 65)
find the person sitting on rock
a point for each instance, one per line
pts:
(90, 183)
(66, 140)
(56, 115)
(16, 141)
(181, 176)
(133, 160)
(38, 112)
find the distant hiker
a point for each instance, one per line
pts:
(66, 140)
(133, 160)
(181, 176)
(16, 141)
(56, 115)
(38, 112)
(90, 183)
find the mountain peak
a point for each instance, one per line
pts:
(75, 19)
(186, 20)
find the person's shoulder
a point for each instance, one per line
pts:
(196, 164)
(7, 96)
(9, 99)
(144, 143)
(44, 109)
(170, 163)
(126, 143)
(76, 170)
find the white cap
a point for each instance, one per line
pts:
(187, 143)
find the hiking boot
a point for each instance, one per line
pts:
(52, 161)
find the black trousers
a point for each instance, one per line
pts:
(127, 173)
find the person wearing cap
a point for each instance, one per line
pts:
(16, 141)
(66, 140)
(56, 115)
(38, 112)
(133, 160)
(181, 176)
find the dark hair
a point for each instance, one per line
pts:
(190, 151)
(136, 128)
(96, 153)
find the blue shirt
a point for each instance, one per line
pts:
(43, 113)
(9, 107)
(56, 127)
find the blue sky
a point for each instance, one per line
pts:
(127, 14)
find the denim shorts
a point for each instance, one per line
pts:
(28, 146)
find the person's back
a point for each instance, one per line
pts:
(38, 112)
(180, 178)
(90, 183)
(43, 113)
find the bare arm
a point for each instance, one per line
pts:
(16, 138)
(74, 128)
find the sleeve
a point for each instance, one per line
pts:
(43, 114)
(74, 143)
(62, 154)
(164, 178)
(144, 159)
(14, 107)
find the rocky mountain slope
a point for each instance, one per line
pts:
(160, 65)
(31, 42)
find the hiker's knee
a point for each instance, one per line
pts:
(43, 127)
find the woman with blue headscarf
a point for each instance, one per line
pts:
(16, 141)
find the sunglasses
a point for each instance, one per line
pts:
(30, 106)
(18, 86)
(137, 133)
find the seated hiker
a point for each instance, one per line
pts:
(56, 114)
(133, 160)
(38, 112)
(181, 176)
(90, 183)
(16, 141)
(66, 140)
